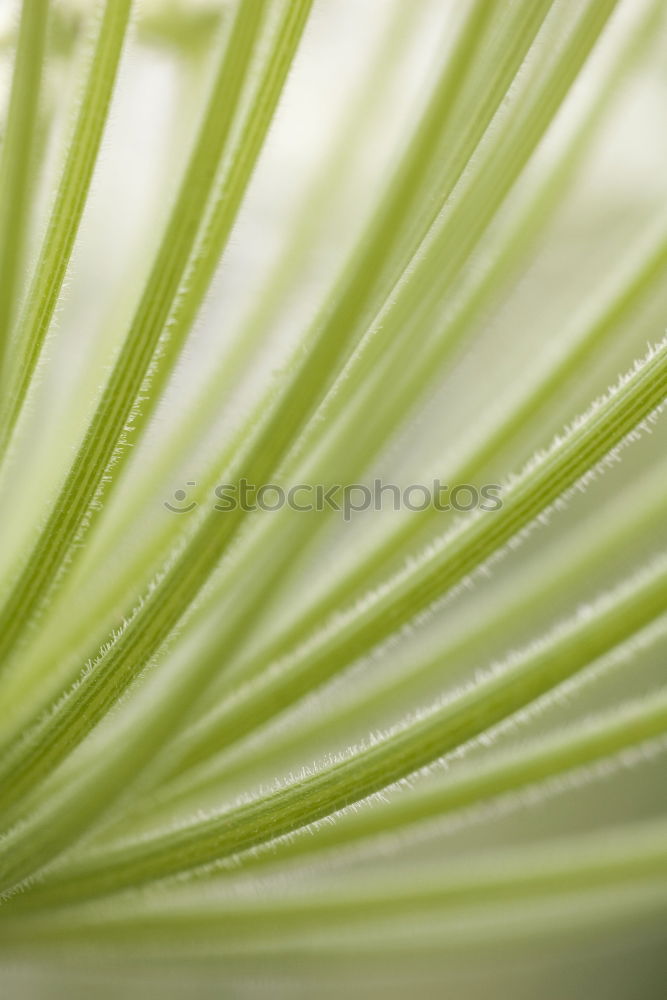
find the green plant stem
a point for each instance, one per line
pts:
(583, 553)
(68, 207)
(504, 925)
(117, 414)
(360, 280)
(412, 746)
(440, 571)
(295, 402)
(526, 24)
(235, 175)
(356, 630)
(579, 746)
(162, 803)
(117, 409)
(212, 728)
(94, 596)
(574, 863)
(15, 166)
